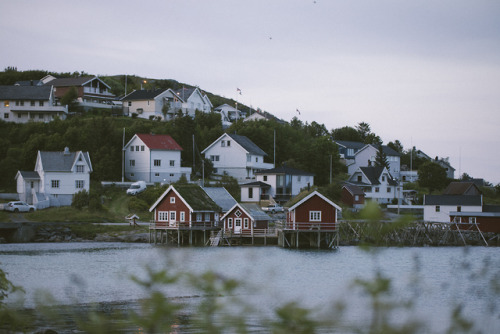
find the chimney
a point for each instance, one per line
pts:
(66, 150)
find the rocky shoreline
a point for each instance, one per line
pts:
(62, 233)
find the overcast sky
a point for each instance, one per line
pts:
(424, 72)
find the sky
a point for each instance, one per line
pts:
(424, 72)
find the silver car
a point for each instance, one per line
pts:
(19, 206)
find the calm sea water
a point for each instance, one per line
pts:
(435, 279)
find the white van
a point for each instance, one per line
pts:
(136, 187)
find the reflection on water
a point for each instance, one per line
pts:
(436, 279)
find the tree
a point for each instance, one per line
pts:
(69, 99)
(165, 109)
(363, 129)
(396, 146)
(432, 176)
(346, 133)
(381, 158)
(231, 185)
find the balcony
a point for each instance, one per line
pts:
(96, 91)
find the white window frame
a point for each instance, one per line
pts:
(55, 184)
(230, 223)
(173, 216)
(182, 216)
(79, 184)
(245, 223)
(315, 216)
(157, 162)
(163, 216)
(172, 200)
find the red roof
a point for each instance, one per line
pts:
(160, 142)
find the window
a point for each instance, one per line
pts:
(245, 222)
(214, 158)
(360, 178)
(298, 178)
(459, 208)
(157, 163)
(40, 116)
(472, 220)
(55, 183)
(265, 177)
(19, 115)
(142, 148)
(80, 168)
(132, 163)
(172, 200)
(250, 192)
(356, 198)
(131, 148)
(438, 208)
(383, 178)
(163, 216)
(40, 103)
(230, 222)
(129, 103)
(207, 217)
(137, 148)
(228, 143)
(172, 163)
(377, 189)
(223, 143)
(79, 184)
(256, 159)
(5, 103)
(157, 174)
(198, 217)
(32, 103)
(249, 158)
(6, 115)
(237, 213)
(172, 215)
(388, 189)
(314, 216)
(183, 216)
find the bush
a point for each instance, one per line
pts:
(81, 199)
(137, 205)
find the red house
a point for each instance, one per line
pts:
(245, 219)
(353, 196)
(186, 206)
(313, 212)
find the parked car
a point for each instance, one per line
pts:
(136, 188)
(19, 206)
(273, 208)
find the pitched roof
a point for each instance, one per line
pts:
(314, 193)
(79, 81)
(194, 196)
(29, 175)
(470, 200)
(184, 93)
(373, 174)
(255, 211)
(256, 184)
(350, 144)
(159, 142)
(285, 170)
(353, 189)
(247, 144)
(221, 197)
(460, 188)
(25, 92)
(61, 161)
(143, 94)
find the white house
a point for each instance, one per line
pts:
(437, 208)
(377, 184)
(254, 191)
(160, 104)
(365, 157)
(154, 158)
(22, 104)
(193, 99)
(237, 156)
(57, 177)
(228, 114)
(285, 182)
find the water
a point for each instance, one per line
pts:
(435, 279)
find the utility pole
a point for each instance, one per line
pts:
(123, 156)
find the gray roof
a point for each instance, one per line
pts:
(247, 144)
(353, 189)
(284, 170)
(221, 197)
(29, 83)
(389, 151)
(145, 94)
(25, 92)
(255, 211)
(468, 200)
(80, 81)
(61, 161)
(29, 175)
(350, 144)
(259, 184)
(184, 93)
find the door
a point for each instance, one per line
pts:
(237, 226)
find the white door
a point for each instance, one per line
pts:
(237, 226)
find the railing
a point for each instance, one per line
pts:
(92, 90)
(303, 226)
(178, 225)
(256, 232)
(39, 109)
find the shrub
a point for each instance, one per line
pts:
(81, 199)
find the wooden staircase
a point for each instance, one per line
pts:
(215, 240)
